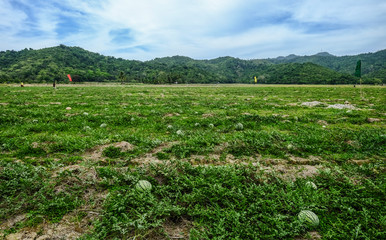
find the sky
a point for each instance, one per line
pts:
(200, 29)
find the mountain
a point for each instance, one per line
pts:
(373, 64)
(48, 64)
(324, 54)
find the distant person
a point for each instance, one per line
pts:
(54, 85)
(21, 84)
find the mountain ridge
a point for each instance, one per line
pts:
(48, 64)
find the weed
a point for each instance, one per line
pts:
(112, 152)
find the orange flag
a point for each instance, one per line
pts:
(69, 77)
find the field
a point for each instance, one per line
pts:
(225, 162)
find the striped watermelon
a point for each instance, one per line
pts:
(143, 186)
(309, 217)
(239, 126)
(311, 185)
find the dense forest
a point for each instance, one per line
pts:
(49, 64)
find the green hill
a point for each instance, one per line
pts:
(48, 64)
(373, 64)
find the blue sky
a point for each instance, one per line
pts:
(201, 29)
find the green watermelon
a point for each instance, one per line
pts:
(239, 126)
(311, 185)
(309, 217)
(143, 186)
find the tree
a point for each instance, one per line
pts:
(122, 77)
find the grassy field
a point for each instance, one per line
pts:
(225, 162)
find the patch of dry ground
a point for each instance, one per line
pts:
(360, 162)
(171, 114)
(342, 106)
(310, 236)
(346, 105)
(291, 172)
(70, 227)
(311, 104)
(371, 120)
(207, 115)
(179, 230)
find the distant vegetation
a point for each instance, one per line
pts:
(46, 65)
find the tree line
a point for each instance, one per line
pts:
(53, 64)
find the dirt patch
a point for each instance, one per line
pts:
(24, 235)
(311, 160)
(81, 172)
(211, 159)
(310, 236)
(3, 104)
(70, 227)
(95, 153)
(342, 106)
(124, 146)
(207, 115)
(179, 230)
(291, 172)
(272, 161)
(229, 159)
(55, 103)
(146, 159)
(371, 120)
(311, 104)
(322, 122)
(360, 162)
(292, 104)
(171, 114)
(35, 145)
(12, 221)
(44, 145)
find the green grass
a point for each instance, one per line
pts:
(47, 170)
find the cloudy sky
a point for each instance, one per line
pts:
(201, 29)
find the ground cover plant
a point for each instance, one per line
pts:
(224, 162)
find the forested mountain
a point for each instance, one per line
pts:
(373, 64)
(48, 64)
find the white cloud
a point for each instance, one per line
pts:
(201, 28)
(343, 11)
(9, 17)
